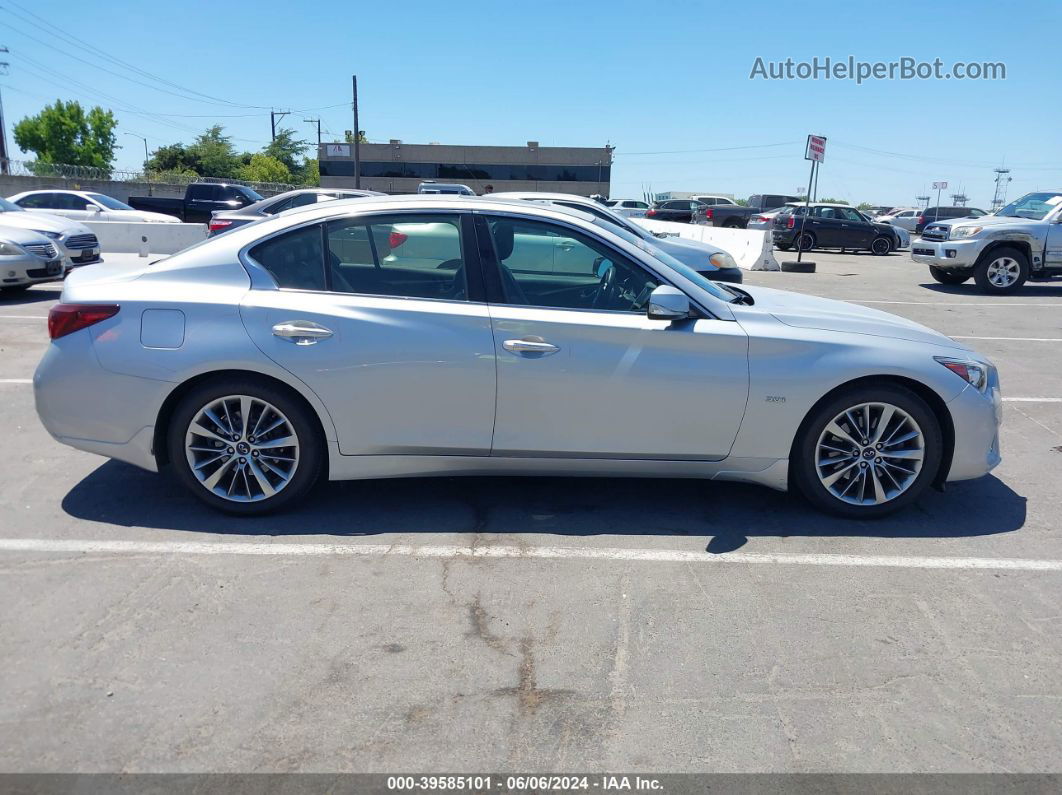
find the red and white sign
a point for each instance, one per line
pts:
(816, 148)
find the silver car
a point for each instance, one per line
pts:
(314, 345)
(77, 244)
(708, 260)
(27, 258)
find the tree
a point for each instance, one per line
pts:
(265, 168)
(214, 154)
(175, 158)
(311, 172)
(864, 206)
(286, 148)
(65, 133)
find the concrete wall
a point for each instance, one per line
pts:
(121, 237)
(404, 185)
(11, 184)
(752, 249)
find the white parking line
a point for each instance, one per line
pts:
(1031, 400)
(71, 546)
(23, 317)
(16, 380)
(975, 304)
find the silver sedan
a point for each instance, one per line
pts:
(431, 335)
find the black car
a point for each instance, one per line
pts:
(931, 214)
(226, 220)
(832, 226)
(680, 211)
(201, 199)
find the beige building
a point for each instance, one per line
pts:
(396, 167)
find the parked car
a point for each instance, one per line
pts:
(445, 187)
(27, 258)
(765, 219)
(84, 206)
(708, 260)
(832, 226)
(713, 200)
(201, 200)
(638, 366)
(903, 218)
(735, 216)
(226, 220)
(631, 208)
(1019, 242)
(932, 214)
(76, 242)
(679, 211)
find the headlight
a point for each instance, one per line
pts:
(722, 260)
(46, 233)
(964, 231)
(973, 373)
(10, 250)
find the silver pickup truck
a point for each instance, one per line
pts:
(1019, 242)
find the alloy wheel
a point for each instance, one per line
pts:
(869, 454)
(242, 448)
(1003, 272)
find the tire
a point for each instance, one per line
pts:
(881, 246)
(1001, 271)
(732, 225)
(848, 487)
(805, 242)
(289, 471)
(783, 246)
(798, 267)
(949, 277)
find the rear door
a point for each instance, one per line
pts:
(395, 341)
(583, 372)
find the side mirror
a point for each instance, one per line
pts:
(667, 303)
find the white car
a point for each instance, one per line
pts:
(714, 201)
(901, 219)
(315, 345)
(82, 205)
(765, 220)
(76, 242)
(630, 208)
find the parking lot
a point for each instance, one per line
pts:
(495, 624)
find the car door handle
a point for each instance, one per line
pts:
(301, 332)
(530, 345)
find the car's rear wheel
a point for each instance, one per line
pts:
(245, 446)
(732, 225)
(1002, 271)
(881, 246)
(949, 276)
(867, 452)
(805, 242)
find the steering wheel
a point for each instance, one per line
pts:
(606, 288)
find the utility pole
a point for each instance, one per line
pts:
(273, 116)
(1000, 197)
(318, 123)
(960, 199)
(357, 136)
(4, 168)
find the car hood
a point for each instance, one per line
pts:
(20, 235)
(812, 312)
(43, 222)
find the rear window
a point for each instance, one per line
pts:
(294, 260)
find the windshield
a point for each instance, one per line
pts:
(247, 193)
(667, 259)
(1033, 206)
(9, 207)
(108, 202)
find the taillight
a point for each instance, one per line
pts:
(709, 213)
(921, 220)
(215, 225)
(396, 239)
(650, 213)
(790, 223)
(65, 319)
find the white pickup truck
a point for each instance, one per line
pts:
(1019, 242)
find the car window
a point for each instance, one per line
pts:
(109, 202)
(409, 256)
(294, 259)
(852, 215)
(279, 207)
(976, 213)
(201, 192)
(37, 200)
(70, 201)
(552, 266)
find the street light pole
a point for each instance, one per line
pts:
(146, 156)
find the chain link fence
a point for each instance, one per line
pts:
(34, 168)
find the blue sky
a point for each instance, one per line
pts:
(669, 78)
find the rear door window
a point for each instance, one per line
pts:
(294, 259)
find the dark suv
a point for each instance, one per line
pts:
(681, 211)
(832, 226)
(931, 214)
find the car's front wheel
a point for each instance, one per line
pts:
(245, 446)
(881, 246)
(949, 276)
(1002, 271)
(867, 452)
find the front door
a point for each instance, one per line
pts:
(374, 316)
(582, 372)
(855, 230)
